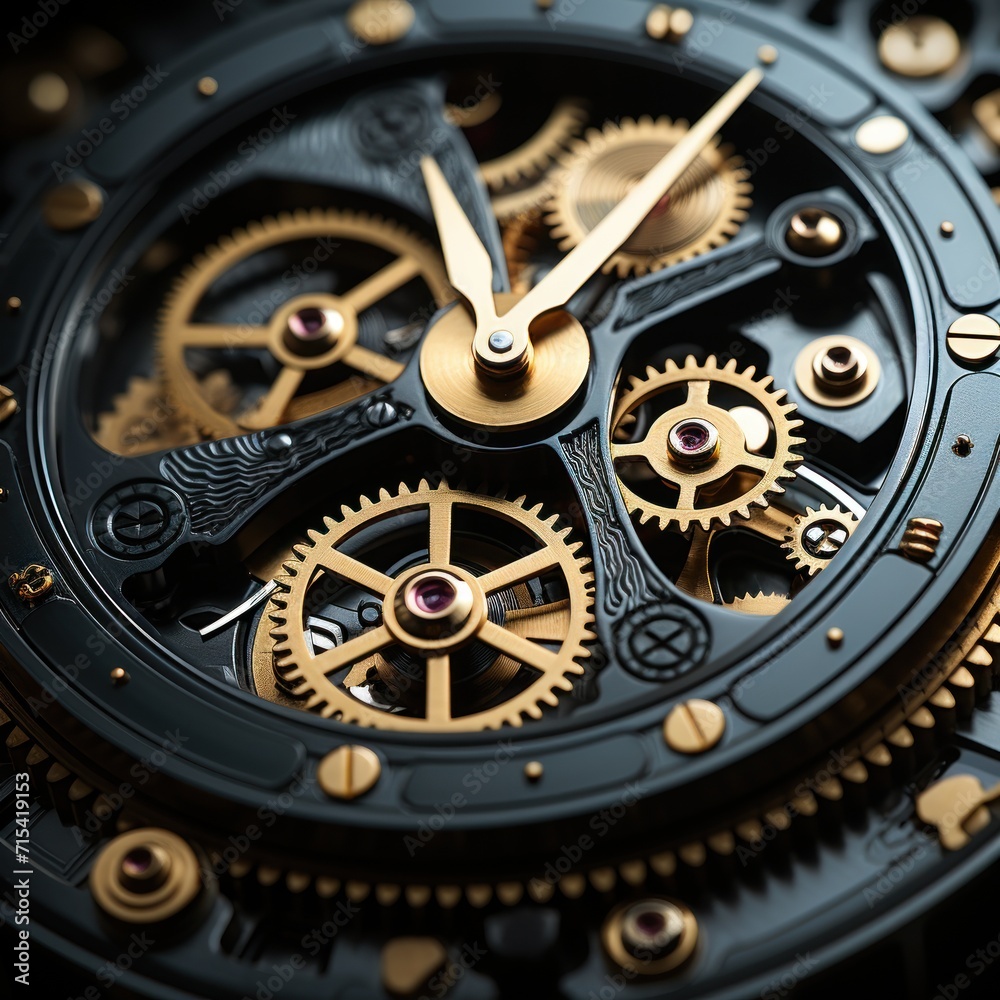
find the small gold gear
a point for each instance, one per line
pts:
(704, 210)
(699, 450)
(364, 369)
(834, 526)
(524, 674)
(521, 238)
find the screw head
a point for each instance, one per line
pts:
(694, 726)
(974, 338)
(72, 205)
(349, 772)
(381, 414)
(815, 232)
(33, 583)
(652, 925)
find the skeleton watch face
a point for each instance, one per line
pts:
(502, 498)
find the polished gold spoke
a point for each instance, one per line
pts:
(759, 463)
(697, 392)
(332, 660)
(382, 284)
(222, 337)
(631, 450)
(439, 511)
(373, 364)
(438, 688)
(272, 407)
(516, 572)
(518, 648)
(347, 568)
(547, 622)
(688, 496)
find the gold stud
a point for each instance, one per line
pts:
(8, 404)
(120, 677)
(348, 772)
(145, 876)
(882, 135)
(835, 637)
(380, 22)
(408, 964)
(920, 47)
(14, 305)
(768, 55)
(72, 205)
(947, 229)
(48, 93)
(208, 86)
(921, 539)
(533, 771)
(694, 726)
(666, 23)
(815, 232)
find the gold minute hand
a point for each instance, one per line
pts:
(614, 230)
(470, 269)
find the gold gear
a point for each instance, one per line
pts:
(531, 159)
(759, 473)
(133, 426)
(521, 238)
(704, 210)
(759, 604)
(842, 521)
(296, 668)
(177, 332)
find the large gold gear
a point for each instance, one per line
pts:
(514, 692)
(709, 473)
(364, 369)
(704, 210)
(836, 526)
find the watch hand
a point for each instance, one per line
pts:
(614, 230)
(470, 268)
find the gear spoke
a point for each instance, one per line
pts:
(439, 512)
(339, 564)
(438, 688)
(526, 568)
(279, 396)
(350, 652)
(697, 392)
(546, 623)
(631, 450)
(518, 648)
(223, 337)
(382, 284)
(373, 364)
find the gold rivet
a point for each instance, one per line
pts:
(49, 93)
(694, 726)
(380, 22)
(120, 677)
(815, 232)
(882, 134)
(974, 338)
(665, 23)
(835, 637)
(408, 964)
(947, 229)
(986, 111)
(14, 305)
(662, 933)
(963, 445)
(921, 539)
(920, 47)
(534, 770)
(145, 876)
(768, 55)
(349, 771)
(72, 205)
(8, 404)
(208, 86)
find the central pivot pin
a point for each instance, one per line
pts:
(313, 331)
(434, 604)
(693, 441)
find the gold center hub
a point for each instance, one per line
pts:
(434, 609)
(313, 331)
(558, 367)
